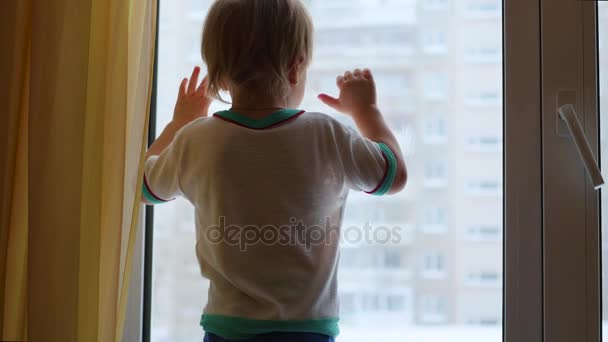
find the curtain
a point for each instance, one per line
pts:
(14, 66)
(77, 101)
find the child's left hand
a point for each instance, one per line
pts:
(192, 101)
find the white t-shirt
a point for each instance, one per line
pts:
(269, 196)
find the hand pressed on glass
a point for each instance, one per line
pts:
(192, 101)
(357, 92)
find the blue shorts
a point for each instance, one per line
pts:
(276, 337)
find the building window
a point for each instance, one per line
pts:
(384, 37)
(434, 265)
(483, 9)
(392, 259)
(371, 301)
(348, 304)
(435, 87)
(433, 309)
(435, 174)
(435, 4)
(396, 303)
(435, 130)
(435, 220)
(377, 259)
(434, 42)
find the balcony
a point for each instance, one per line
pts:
(483, 279)
(483, 56)
(484, 144)
(484, 188)
(434, 228)
(483, 10)
(435, 182)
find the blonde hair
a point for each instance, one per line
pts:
(252, 44)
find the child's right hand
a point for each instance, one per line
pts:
(357, 93)
(192, 100)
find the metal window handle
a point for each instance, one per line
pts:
(568, 114)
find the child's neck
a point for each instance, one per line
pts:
(257, 106)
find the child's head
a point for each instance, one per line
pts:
(258, 47)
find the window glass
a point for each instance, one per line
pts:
(438, 66)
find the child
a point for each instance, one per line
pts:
(269, 182)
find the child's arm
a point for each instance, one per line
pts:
(161, 179)
(358, 99)
(192, 103)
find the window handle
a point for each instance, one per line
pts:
(568, 114)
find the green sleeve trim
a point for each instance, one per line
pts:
(391, 171)
(238, 328)
(148, 195)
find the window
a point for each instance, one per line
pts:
(435, 130)
(348, 303)
(435, 4)
(395, 303)
(436, 174)
(391, 304)
(434, 42)
(435, 220)
(435, 86)
(433, 309)
(418, 50)
(434, 265)
(483, 8)
(392, 259)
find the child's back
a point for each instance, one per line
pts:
(269, 185)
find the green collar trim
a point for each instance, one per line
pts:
(269, 121)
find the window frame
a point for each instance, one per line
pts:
(523, 219)
(572, 273)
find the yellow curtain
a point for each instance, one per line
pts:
(14, 66)
(79, 85)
